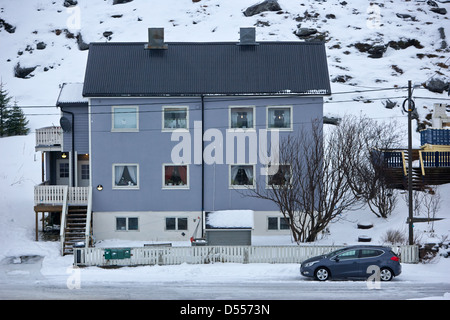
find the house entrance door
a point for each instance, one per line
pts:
(62, 172)
(83, 173)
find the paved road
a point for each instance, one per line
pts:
(20, 278)
(284, 290)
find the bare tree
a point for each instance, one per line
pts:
(365, 169)
(310, 188)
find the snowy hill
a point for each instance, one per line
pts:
(373, 50)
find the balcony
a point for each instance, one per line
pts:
(50, 195)
(49, 139)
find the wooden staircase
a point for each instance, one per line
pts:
(417, 178)
(398, 176)
(75, 229)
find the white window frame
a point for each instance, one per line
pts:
(290, 128)
(230, 108)
(247, 186)
(163, 128)
(176, 223)
(113, 114)
(174, 187)
(127, 225)
(134, 187)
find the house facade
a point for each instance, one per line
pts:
(166, 132)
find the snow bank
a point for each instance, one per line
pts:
(230, 219)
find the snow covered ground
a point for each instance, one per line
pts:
(210, 20)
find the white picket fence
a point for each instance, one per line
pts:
(212, 254)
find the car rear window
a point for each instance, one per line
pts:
(367, 253)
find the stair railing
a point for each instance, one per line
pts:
(65, 209)
(88, 218)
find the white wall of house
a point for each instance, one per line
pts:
(152, 225)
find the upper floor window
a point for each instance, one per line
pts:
(175, 118)
(242, 176)
(175, 176)
(242, 117)
(281, 178)
(125, 176)
(125, 119)
(279, 117)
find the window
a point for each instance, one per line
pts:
(277, 223)
(64, 170)
(176, 223)
(175, 176)
(279, 118)
(125, 176)
(125, 119)
(175, 118)
(350, 254)
(242, 117)
(368, 253)
(127, 224)
(242, 175)
(85, 172)
(281, 178)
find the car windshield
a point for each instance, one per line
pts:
(333, 253)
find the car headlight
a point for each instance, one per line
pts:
(309, 264)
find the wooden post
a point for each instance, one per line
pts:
(37, 233)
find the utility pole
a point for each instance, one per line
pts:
(410, 191)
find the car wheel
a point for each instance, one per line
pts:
(322, 274)
(386, 274)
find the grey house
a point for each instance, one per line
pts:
(165, 132)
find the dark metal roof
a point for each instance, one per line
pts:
(127, 69)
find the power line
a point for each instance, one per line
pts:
(227, 99)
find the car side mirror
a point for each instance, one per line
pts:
(336, 259)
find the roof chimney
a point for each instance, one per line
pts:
(156, 39)
(247, 37)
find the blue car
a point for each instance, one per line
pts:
(355, 262)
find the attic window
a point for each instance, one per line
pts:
(242, 117)
(125, 119)
(175, 118)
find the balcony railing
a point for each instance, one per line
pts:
(54, 195)
(436, 159)
(49, 136)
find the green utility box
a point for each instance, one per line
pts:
(117, 253)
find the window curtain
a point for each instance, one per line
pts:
(118, 173)
(132, 170)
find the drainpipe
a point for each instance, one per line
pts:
(203, 161)
(73, 145)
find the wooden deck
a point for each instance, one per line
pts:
(429, 168)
